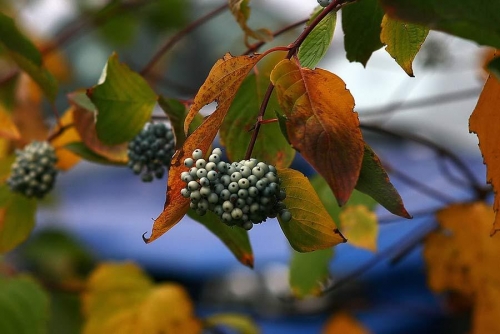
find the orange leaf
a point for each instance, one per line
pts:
(221, 85)
(7, 127)
(484, 122)
(461, 257)
(321, 123)
(344, 323)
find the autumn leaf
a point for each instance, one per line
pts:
(65, 158)
(241, 12)
(359, 225)
(483, 122)
(240, 323)
(311, 227)
(361, 23)
(17, 218)
(24, 305)
(120, 298)
(8, 129)
(221, 85)
(460, 257)
(343, 323)
(316, 44)
(403, 41)
(356, 219)
(309, 272)
(470, 19)
(235, 239)
(84, 114)
(321, 123)
(124, 103)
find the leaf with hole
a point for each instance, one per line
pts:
(221, 85)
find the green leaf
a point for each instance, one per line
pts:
(86, 153)
(374, 181)
(177, 112)
(15, 41)
(240, 323)
(361, 22)
(166, 14)
(24, 306)
(120, 29)
(494, 67)
(235, 238)
(309, 272)
(476, 20)
(26, 55)
(311, 227)
(8, 93)
(403, 41)
(271, 146)
(317, 42)
(17, 218)
(124, 103)
(355, 219)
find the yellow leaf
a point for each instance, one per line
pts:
(7, 127)
(359, 226)
(343, 323)
(221, 85)
(462, 257)
(484, 122)
(120, 298)
(241, 12)
(321, 123)
(65, 158)
(311, 227)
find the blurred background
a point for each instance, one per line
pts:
(102, 211)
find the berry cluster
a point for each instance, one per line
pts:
(324, 3)
(240, 193)
(150, 152)
(33, 173)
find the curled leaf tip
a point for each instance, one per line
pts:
(337, 231)
(247, 260)
(146, 240)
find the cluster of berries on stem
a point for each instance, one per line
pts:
(241, 193)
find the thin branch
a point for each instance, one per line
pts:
(403, 243)
(420, 186)
(466, 171)
(179, 35)
(258, 45)
(420, 103)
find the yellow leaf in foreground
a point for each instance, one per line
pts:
(343, 323)
(7, 127)
(359, 226)
(120, 298)
(484, 122)
(65, 158)
(462, 257)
